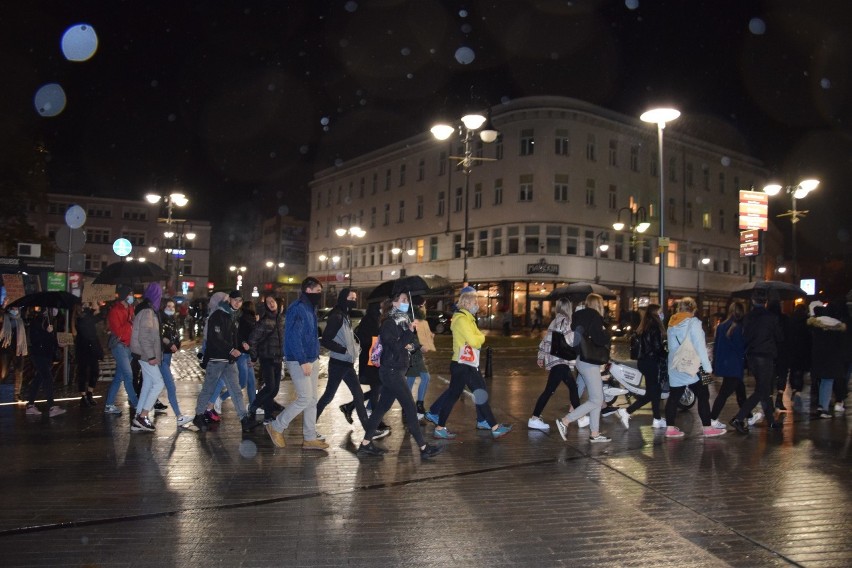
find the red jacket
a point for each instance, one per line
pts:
(120, 321)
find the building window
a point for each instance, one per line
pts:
(590, 192)
(401, 218)
(477, 196)
(634, 158)
(496, 241)
(689, 180)
(99, 211)
(672, 169)
(433, 248)
(421, 170)
(372, 217)
(442, 163)
(612, 198)
(721, 220)
(707, 220)
(560, 188)
(482, 249)
(736, 183)
(98, 236)
(525, 187)
(187, 267)
(401, 175)
(589, 244)
(498, 148)
(527, 142)
(721, 182)
(387, 179)
(362, 184)
(134, 214)
(531, 239)
(375, 186)
(652, 165)
(339, 195)
(319, 200)
(572, 236)
(419, 214)
(512, 233)
(387, 214)
(705, 174)
(457, 251)
(613, 153)
(136, 238)
(459, 200)
(553, 242)
(590, 148)
(498, 191)
(349, 193)
(688, 214)
(671, 211)
(441, 204)
(58, 208)
(561, 145)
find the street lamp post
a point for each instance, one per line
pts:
(796, 192)
(638, 223)
(660, 116)
(238, 271)
(171, 201)
(470, 123)
(601, 238)
(705, 260)
(326, 257)
(399, 247)
(354, 231)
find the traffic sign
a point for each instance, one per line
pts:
(70, 240)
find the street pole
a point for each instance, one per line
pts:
(793, 220)
(660, 246)
(468, 152)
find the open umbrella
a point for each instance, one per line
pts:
(125, 272)
(774, 289)
(414, 285)
(62, 300)
(578, 291)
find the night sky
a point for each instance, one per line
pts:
(238, 103)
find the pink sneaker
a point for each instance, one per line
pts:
(674, 432)
(710, 432)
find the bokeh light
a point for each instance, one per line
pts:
(465, 55)
(480, 396)
(79, 42)
(757, 26)
(631, 4)
(248, 449)
(726, 161)
(825, 83)
(50, 99)
(350, 6)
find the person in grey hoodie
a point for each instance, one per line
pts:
(344, 350)
(146, 346)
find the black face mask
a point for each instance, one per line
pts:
(350, 304)
(314, 297)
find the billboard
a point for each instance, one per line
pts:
(754, 210)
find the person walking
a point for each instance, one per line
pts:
(245, 370)
(558, 367)
(464, 370)
(146, 345)
(171, 332)
(266, 344)
(762, 335)
(301, 351)
(830, 351)
(44, 346)
(87, 353)
(729, 362)
(221, 352)
(651, 363)
(368, 374)
(397, 335)
(685, 328)
(800, 353)
(782, 361)
(588, 324)
(120, 324)
(13, 348)
(344, 350)
(425, 342)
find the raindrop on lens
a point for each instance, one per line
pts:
(757, 26)
(726, 161)
(49, 100)
(409, 76)
(248, 449)
(405, 51)
(324, 121)
(465, 55)
(272, 154)
(79, 42)
(463, 13)
(631, 4)
(283, 210)
(350, 6)
(480, 396)
(172, 117)
(825, 83)
(303, 150)
(338, 162)
(466, 28)
(84, 540)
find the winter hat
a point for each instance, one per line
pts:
(122, 290)
(154, 293)
(235, 294)
(467, 289)
(812, 307)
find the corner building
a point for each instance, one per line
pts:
(563, 172)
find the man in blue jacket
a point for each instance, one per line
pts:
(301, 352)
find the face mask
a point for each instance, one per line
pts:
(169, 312)
(314, 297)
(350, 304)
(473, 309)
(404, 307)
(129, 299)
(13, 313)
(54, 312)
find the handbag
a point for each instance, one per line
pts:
(469, 356)
(705, 377)
(559, 347)
(686, 359)
(592, 353)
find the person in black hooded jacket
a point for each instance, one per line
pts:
(266, 343)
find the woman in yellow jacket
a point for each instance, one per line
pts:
(464, 369)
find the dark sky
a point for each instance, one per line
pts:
(238, 103)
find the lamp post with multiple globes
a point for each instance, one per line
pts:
(796, 192)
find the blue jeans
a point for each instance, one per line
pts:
(169, 380)
(826, 386)
(424, 382)
(217, 370)
(123, 374)
(152, 386)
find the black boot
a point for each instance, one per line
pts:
(421, 410)
(347, 410)
(779, 402)
(91, 398)
(249, 423)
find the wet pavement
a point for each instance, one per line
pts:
(82, 490)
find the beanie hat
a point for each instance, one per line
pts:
(235, 294)
(123, 291)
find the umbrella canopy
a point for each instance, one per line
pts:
(413, 285)
(131, 273)
(578, 291)
(774, 289)
(46, 300)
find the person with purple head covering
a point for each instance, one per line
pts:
(146, 345)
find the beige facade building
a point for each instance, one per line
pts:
(563, 172)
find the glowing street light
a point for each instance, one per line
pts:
(796, 192)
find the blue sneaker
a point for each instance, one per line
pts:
(482, 425)
(433, 418)
(501, 430)
(444, 434)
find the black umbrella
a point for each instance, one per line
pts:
(774, 289)
(578, 291)
(413, 285)
(46, 300)
(127, 272)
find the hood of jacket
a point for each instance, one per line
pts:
(678, 318)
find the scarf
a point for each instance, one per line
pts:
(9, 326)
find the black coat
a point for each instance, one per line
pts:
(591, 324)
(395, 336)
(266, 340)
(222, 335)
(762, 333)
(365, 332)
(169, 332)
(87, 335)
(43, 342)
(651, 343)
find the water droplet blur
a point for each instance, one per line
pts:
(283, 210)
(338, 162)
(172, 117)
(463, 13)
(324, 121)
(757, 26)
(505, 99)
(273, 154)
(49, 100)
(347, 200)
(79, 42)
(279, 194)
(248, 449)
(155, 83)
(350, 6)
(480, 396)
(270, 87)
(825, 83)
(631, 4)
(84, 540)
(726, 161)
(303, 149)
(466, 28)
(409, 76)
(405, 51)
(465, 55)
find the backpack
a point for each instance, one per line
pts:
(635, 345)
(376, 352)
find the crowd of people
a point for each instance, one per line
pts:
(388, 347)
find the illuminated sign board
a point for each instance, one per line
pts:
(754, 210)
(750, 243)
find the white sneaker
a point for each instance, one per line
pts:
(217, 406)
(259, 411)
(583, 422)
(111, 409)
(184, 420)
(55, 411)
(718, 425)
(661, 423)
(755, 418)
(624, 417)
(838, 407)
(536, 423)
(32, 410)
